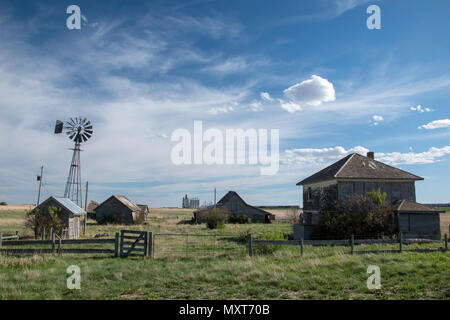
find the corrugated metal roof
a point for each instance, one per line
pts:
(127, 202)
(70, 205)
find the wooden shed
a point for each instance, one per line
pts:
(118, 209)
(70, 214)
(235, 205)
(145, 209)
(416, 220)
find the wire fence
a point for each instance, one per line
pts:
(183, 245)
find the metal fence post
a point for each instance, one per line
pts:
(150, 243)
(250, 245)
(400, 242)
(352, 243)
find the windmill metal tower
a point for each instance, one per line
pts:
(78, 130)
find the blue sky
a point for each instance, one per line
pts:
(139, 70)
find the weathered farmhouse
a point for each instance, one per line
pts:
(70, 214)
(235, 205)
(357, 174)
(118, 209)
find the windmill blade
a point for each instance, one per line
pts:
(72, 122)
(84, 138)
(73, 135)
(87, 134)
(89, 131)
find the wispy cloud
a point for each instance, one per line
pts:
(436, 124)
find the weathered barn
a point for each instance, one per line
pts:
(70, 214)
(355, 174)
(118, 209)
(235, 205)
(144, 208)
(418, 221)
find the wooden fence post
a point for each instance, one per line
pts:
(352, 243)
(301, 247)
(250, 245)
(53, 242)
(1, 236)
(43, 234)
(116, 245)
(51, 233)
(146, 245)
(400, 242)
(150, 243)
(59, 245)
(446, 242)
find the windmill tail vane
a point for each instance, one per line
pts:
(78, 130)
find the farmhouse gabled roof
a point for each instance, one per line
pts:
(413, 207)
(124, 200)
(65, 203)
(356, 166)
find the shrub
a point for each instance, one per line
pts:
(37, 221)
(242, 219)
(270, 248)
(364, 215)
(3, 203)
(214, 217)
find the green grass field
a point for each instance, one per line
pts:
(220, 268)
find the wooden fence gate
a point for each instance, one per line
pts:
(134, 243)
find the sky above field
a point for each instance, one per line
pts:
(141, 69)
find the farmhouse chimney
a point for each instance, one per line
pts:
(371, 155)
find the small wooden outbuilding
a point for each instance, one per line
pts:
(418, 221)
(235, 205)
(145, 209)
(70, 214)
(118, 209)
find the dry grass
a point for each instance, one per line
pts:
(16, 207)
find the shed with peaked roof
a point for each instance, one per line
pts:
(118, 209)
(416, 220)
(235, 205)
(69, 213)
(145, 209)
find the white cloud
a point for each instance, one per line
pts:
(421, 109)
(311, 92)
(266, 96)
(319, 155)
(302, 157)
(444, 123)
(256, 106)
(217, 110)
(289, 106)
(429, 156)
(376, 119)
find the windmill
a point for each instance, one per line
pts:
(78, 130)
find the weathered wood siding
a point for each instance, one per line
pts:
(237, 207)
(394, 190)
(114, 208)
(420, 225)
